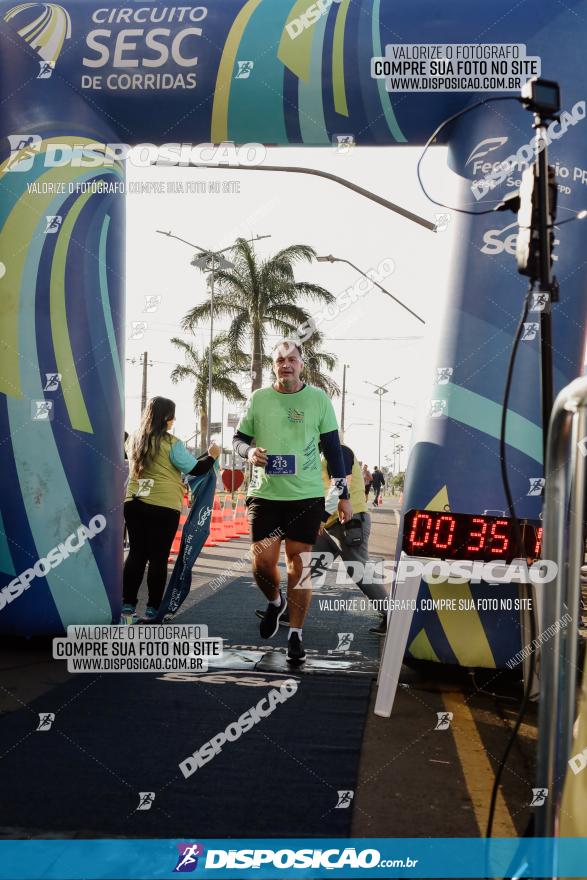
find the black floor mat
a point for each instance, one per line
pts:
(335, 628)
(117, 735)
(122, 735)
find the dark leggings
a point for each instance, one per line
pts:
(151, 530)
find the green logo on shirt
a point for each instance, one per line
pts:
(294, 415)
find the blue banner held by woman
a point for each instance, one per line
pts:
(195, 531)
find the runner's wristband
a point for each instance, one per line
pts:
(333, 496)
(332, 450)
(241, 444)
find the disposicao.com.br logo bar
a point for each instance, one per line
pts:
(335, 858)
(191, 857)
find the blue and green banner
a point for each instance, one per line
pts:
(195, 531)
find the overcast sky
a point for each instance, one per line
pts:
(375, 337)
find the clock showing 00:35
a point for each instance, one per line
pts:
(443, 535)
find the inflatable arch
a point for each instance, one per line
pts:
(80, 75)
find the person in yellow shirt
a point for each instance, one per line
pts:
(350, 541)
(153, 500)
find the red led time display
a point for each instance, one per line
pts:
(467, 536)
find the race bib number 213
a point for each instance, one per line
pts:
(280, 465)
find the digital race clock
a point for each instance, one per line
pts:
(442, 535)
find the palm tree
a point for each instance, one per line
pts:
(316, 362)
(261, 297)
(196, 370)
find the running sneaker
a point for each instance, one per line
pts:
(150, 613)
(295, 649)
(127, 614)
(283, 622)
(270, 622)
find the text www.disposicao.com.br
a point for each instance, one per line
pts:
(135, 664)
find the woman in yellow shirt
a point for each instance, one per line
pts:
(153, 501)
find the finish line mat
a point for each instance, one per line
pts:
(109, 763)
(119, 735)
(336, 631)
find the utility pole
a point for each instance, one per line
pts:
(344, 369)
(400, 449)
(222, 432)
(144, 389)
(381, 390)
(208, 433)
(394, 437)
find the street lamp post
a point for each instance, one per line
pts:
(380, 390)
(209, 422)
(344, 369)
(222, 432)
(394, 437)
(292, 169)
(209, 262)
(331, 259)
(400, 449)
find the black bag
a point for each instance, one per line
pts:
(353, 532)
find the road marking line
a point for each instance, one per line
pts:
(477, 769)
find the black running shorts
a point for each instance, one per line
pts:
(297, 520)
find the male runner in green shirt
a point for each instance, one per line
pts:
(286, 494)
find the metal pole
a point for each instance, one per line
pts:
(556, 708)
(386, 292)
(374, 197)
(576, 558)
(545, 277)
(379, 454)
(210, 350)
(343, 399)
(144, 388)
(222, 431)
(232, 477)
(381, 390)
(331, 259)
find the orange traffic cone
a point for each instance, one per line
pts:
(241, 516)
(210, 542)
(216, 523)
(227, 518)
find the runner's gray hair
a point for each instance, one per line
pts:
(289, 343)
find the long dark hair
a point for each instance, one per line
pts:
(146, 443)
